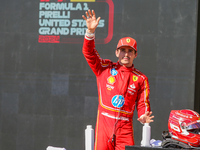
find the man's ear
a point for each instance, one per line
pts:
(117, 53)
(136, 54)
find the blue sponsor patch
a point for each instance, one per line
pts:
(113, 72)
(118, 101)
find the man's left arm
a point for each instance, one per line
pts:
(143, 103)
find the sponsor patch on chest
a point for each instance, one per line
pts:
(113, 72)
(110, 82)
(135, 78)
(109, 87)
(118, 101)
(131, 89)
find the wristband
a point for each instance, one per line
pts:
(89, 34)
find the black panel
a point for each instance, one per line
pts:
(197, 74)
(48, 93)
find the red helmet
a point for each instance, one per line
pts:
(184, 126)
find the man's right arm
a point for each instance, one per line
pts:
(90, 53)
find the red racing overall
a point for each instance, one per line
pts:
(120, 90)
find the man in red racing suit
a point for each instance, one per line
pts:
(121, 88)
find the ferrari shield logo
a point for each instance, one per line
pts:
(135, 78)
(128, 40)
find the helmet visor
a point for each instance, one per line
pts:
(194, 128)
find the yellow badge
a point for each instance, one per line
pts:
(111, 80)
(135, 78)
(128, 40)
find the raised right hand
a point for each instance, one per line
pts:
(91, 20)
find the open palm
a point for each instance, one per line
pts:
(146, 118)
(91, 20)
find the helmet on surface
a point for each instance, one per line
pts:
(184, 126)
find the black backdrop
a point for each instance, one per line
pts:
(48, 92)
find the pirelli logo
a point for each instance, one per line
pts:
(60, 21)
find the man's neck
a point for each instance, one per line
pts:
(126, 65)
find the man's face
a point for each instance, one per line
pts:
(126, 55)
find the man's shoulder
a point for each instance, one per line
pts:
(106, 63)
(139, 73)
